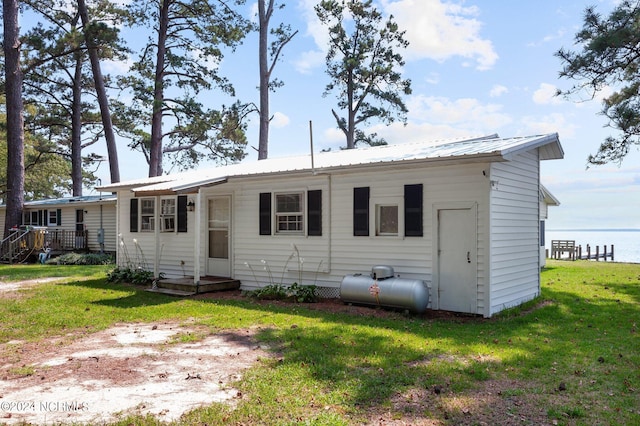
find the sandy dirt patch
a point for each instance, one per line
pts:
(127, 369)
(6, 287)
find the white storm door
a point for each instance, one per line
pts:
(219, 236)
(457, 264)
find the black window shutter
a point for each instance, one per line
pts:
(265, 213)
(314, 209)
(58, 217)
(133, 215)
(182, 213)
(361, 211)
(413, 210)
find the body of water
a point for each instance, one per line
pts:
(626, 241)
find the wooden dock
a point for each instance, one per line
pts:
(567, 250)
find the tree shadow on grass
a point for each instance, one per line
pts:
(136, 296)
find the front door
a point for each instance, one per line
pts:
(457, 251)
(219, 233)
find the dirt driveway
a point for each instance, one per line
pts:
(129, 368)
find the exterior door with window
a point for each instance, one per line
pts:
(457, 264)
(80, 234)
(219, 236)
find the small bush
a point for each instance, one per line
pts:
(303, 293)
(129, 275)
(82, 259)
(296, 293)
(269, 292)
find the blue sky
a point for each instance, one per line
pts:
(477, 67)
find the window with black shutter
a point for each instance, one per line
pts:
(314, 208)
(413, 210)
(265, 213)
(133, 215)
(182, 213)
(361, 211)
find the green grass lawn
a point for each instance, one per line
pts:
(570, 357)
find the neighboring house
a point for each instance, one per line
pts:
(462, 215)
(73, 223)
(546, 199)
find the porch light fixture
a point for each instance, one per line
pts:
(191, 205)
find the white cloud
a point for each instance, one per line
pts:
(498, 90)
(432, 78)
(434, 29)
(419, 132)
(311, 59)
(551, 123)
(548, 38)
(307, 61)
(117, 67)
(465, 113)
(279, 120)
(546, 95)
(439, 30)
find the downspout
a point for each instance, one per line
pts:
(330, 242)
(156, 231)
(198, 238)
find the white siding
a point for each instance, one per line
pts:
(505, 196)
(515, 215)
(141, 249)
(337, 252)
(92, 220)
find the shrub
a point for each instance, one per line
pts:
(296, 293)
(82, 259)
(128, 275)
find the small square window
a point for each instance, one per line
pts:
(168, 214)
(147, 213)
(386, 220)
(289, 213)
(53, 218)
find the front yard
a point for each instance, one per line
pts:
(570, 357)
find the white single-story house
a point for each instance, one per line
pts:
(73, 223)
(462, 215)
(547, 199)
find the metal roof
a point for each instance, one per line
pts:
(63, 201)
(487, 148)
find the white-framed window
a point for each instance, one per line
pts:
(387, 219)
(30, 218)
(168, 214)
(289, 213)
(147, 214)
(52, 218)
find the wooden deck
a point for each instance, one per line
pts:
(567, 249)
(186, 287)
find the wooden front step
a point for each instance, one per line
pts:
(186, 287)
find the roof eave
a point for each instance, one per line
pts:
(548, 145)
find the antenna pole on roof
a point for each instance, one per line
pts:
(313, 170)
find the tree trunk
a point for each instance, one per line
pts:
(103, 101)
(351, 114)
(155, 150)
(15, 119)
(76, 128)
(263, 139)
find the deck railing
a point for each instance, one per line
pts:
(64, 240)
(16, 246)
(25, 241)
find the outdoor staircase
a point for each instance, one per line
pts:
(185, 287)
(17, 247)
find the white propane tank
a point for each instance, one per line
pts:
(389, 292)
